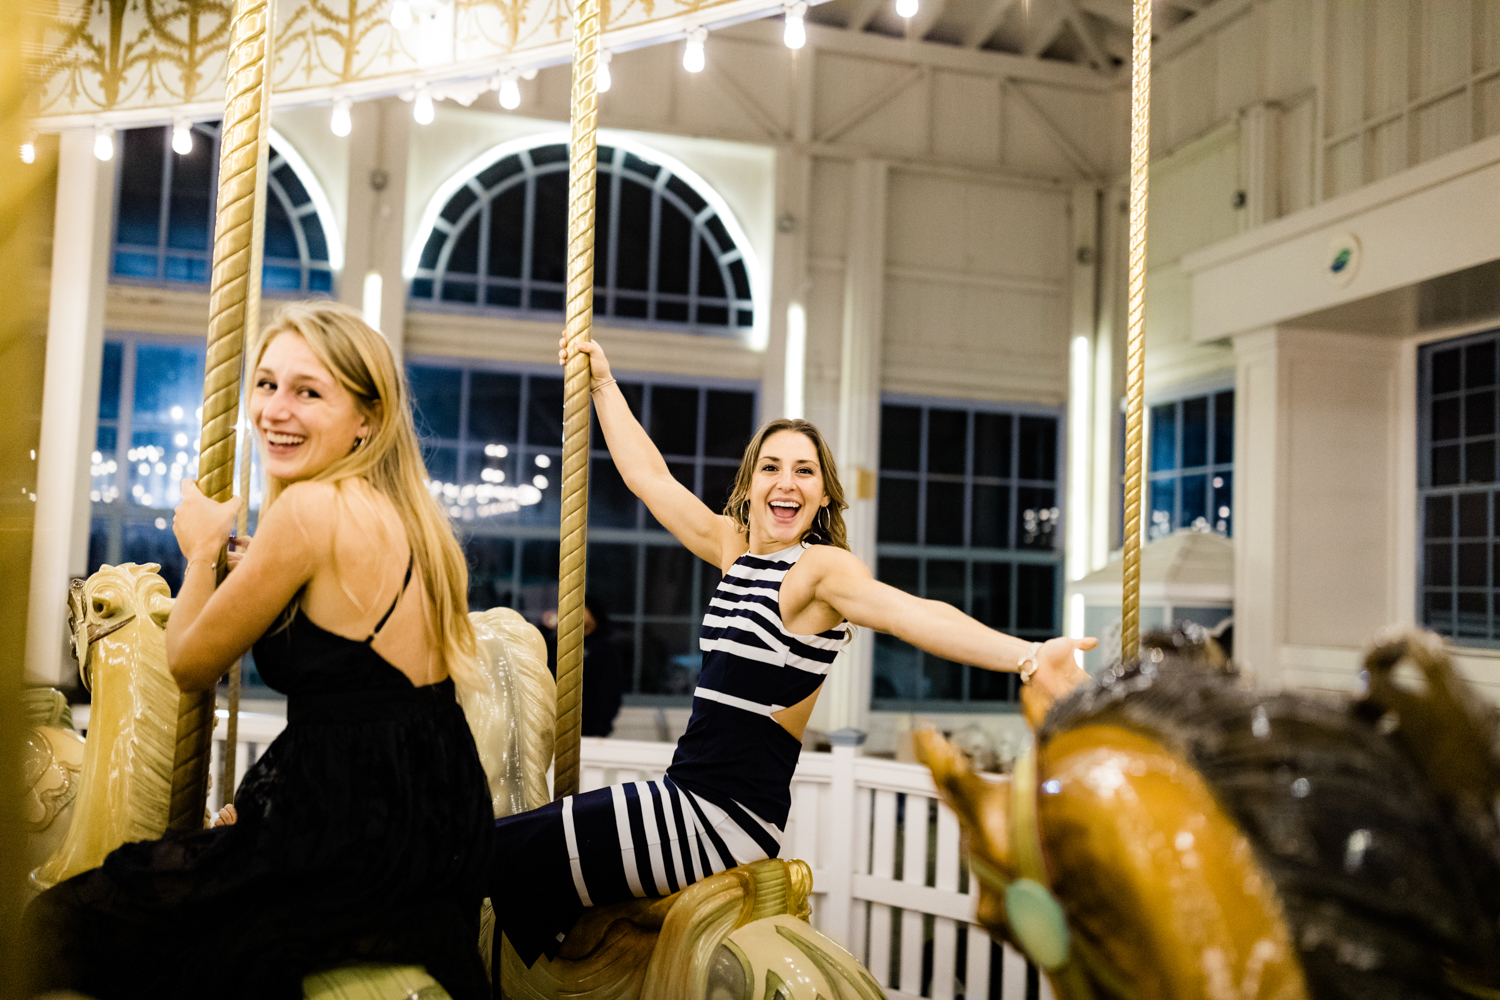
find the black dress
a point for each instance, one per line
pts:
(364, 835)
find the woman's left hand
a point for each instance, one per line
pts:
(1057, 674)
(201, 525)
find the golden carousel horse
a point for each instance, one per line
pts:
(1177, 835)
(739, 935)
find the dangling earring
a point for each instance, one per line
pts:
(357, 443)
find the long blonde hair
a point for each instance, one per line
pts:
(390, 460)
(828, 523)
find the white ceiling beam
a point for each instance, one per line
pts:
(874, 103)
(1042, 39)
(1086, 35)
(862, 12)
(987, 24)
(1116, 11)
(927, 14)
(1070, 151)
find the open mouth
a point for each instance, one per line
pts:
(281, 444)
(785, 511)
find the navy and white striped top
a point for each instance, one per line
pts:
(752, 667)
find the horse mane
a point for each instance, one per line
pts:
(1381, 887)
(513, 715)
(126, 787)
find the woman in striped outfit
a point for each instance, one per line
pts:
(790, 592)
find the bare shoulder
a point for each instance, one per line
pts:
(732, 542)
(308, 506)
(830, 560)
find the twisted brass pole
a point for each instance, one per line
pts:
(234, 289)
(582, 162)
(1135, 344)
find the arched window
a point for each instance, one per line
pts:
(662, 256)
(164, 215)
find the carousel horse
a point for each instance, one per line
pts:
(51, 762)
(1177, 834)
(739, 935)
(118, 618)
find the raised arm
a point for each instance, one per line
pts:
(840, 580)
(705, 533)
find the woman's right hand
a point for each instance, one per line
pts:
(598, 363)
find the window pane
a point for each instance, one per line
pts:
(1479, 462)
(1479, 365)
(550, 227)
(947, 432)
(1479, 413)
(190, 213)
(992, 444)
(109, 382)
(435, 398)
(669, 580)
(545, 412)
(992, 594)
(1038, 448)
(1223, 513)
(168, 385)
(143, 542)
(507, 230)
(718, 483)
(945, 513)
(281, 238)
(463, 255)
(1164, 437)
(669, 659)
(992, 685)
(1163, 508)
(1439, 521)
(1035, 610)
(1445, 465)
(1445, 426)
(1473, 564)
(138, 222)
(1445, 370)
(1195, 502)
(1439, 565)
(1194, 432)
(538, 592)
(898, 510)
(895, 674)
(900, 441)
(611, 578)
(675, 250)
(942, 680)
(611, 504)
(729, 423)
(633, 257)
(1473, 515)
(674, 419)
(492, 569)
(1224, 428)
(1037, 518)
(494, 407)
(991, 517)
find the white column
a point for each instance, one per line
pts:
(784, 380)
(1260, 157)
(1078, 524)
(376, 237)
(1259, 478)
(70, 398)
(858, 444)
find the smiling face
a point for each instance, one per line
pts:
(305, 419)
(786, 491)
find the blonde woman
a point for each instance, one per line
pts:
(364, 827)
(790, 592)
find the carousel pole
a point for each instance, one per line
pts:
(582, 164)
(234, 294)
(1135, 344)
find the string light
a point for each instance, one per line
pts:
(401, 17)
(422, 111)
(104, 143)
(602, 79)
(692, 53)
(182, 138)
(510, 92)
(340, 122)
(906, 8)
(28, 152)
(796, 25)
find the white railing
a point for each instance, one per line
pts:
(889, 878)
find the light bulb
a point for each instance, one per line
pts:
(906, 8)
(510, 93)
(28, 152)
(692, 53)
(401, 18)
(421, 110)
(340, 123)
(104, 143)
(602, 79)
(182, 138)
(796, 25)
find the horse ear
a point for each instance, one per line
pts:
(159, 606)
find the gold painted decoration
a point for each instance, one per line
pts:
(122, 62)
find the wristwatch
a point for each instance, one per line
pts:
(1027, 663)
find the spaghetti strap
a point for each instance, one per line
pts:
(386, 617)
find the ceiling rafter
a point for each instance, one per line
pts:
(862, 13)
(1042, 38)
(1085, 33)
(927, 16)
(988, 23)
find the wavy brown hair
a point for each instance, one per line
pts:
(828, 524)
(390, 460)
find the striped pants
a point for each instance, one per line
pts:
(642, 839)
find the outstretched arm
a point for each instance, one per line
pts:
(845, 584)
(705, 533)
